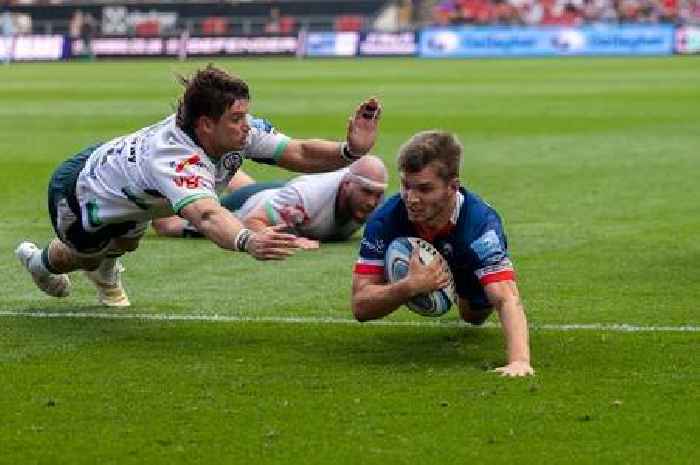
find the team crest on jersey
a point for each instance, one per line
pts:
(232, 161)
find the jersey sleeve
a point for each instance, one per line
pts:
(287, 206)
(372, 251)
(182, 177)
(266, 144)
(491, 251)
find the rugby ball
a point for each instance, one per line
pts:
(396, 260)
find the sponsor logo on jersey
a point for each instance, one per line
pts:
(262, 125)
(192, 160)
(376, 247)
(188, 182)
(487, 246)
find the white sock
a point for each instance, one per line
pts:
(36, 264)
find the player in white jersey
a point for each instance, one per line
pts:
(102, 200)
(315, 207)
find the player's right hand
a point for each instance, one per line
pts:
(272, 243)
(363, 126)
(426, 278)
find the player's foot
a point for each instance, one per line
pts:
(107, 279)
(55, 285)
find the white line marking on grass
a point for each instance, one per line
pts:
(622, 328)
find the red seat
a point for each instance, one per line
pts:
(349, 23)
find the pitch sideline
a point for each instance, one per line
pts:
(617, 327)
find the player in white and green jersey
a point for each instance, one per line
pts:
(102, 200)
(315, 207)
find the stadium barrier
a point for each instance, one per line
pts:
(468, 42)
(448, 42)
(688, 39)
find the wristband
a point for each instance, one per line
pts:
(346, 154)
(242, 238)
(190, 231)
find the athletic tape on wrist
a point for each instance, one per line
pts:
(346, 154)
(242, 238)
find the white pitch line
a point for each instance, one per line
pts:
(622, 328)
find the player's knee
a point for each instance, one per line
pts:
(476, 318)
(125, 245)
(358, 314)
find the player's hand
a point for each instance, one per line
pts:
(272, 243)
(514, 369)
(307, 244)
(362, 127)
(426, 278)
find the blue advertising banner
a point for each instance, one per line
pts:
(546, 41)
(331, 44)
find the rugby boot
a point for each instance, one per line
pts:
(107, 279)
(55, 285)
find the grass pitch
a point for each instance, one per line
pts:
(592, 163)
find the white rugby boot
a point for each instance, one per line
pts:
(107, 279)
(55, 285)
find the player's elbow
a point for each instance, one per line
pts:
(167, 227)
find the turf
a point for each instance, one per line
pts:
(592, 163)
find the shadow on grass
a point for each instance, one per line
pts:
(343, 345)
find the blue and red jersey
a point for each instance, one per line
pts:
(473, 243)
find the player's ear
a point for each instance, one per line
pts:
(206, 124)
(454, 184)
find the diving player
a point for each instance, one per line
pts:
(467, 232)
(102, 200)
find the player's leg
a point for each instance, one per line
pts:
(472, 314)
(107, 276)
(174, 226)
(474, 307)
(48, 266)
(240, 179)
(235, 200)
(50, 279)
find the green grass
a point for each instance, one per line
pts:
(592, 163)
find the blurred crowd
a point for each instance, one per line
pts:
(564, 12)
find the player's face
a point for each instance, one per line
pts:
(231, 131)
(428, 197)
(362, 200)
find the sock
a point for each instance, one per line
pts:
(39, 265)
(107, 271)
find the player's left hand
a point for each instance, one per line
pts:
(362, 127)
(307, 244)
(514, 369)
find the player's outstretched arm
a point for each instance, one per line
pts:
(219, 225)
(315, 155)
(505, 298)
(373, 297)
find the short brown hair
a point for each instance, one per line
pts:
(428, 146)
(209, 92)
